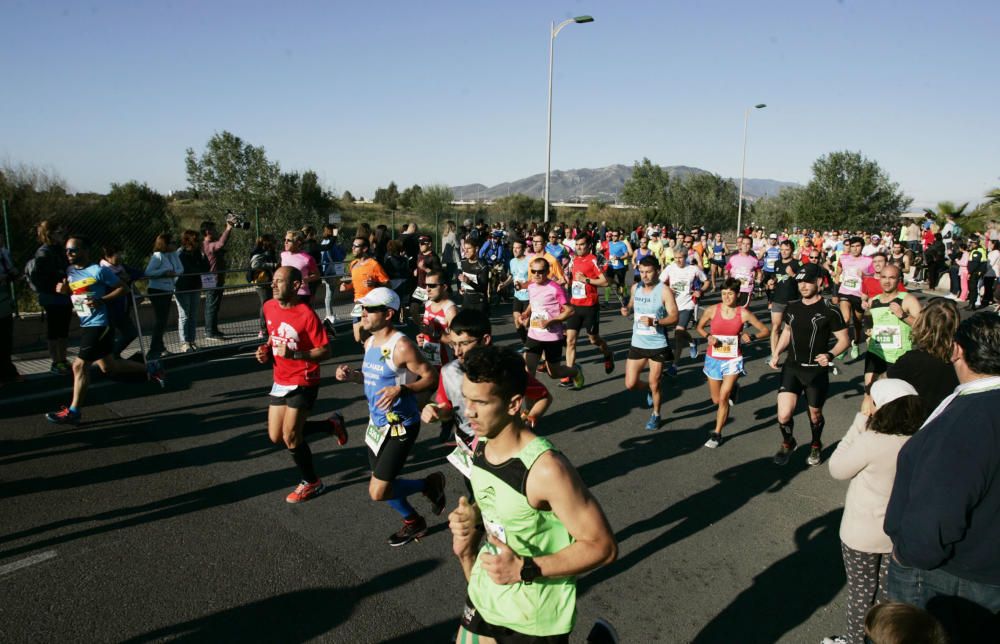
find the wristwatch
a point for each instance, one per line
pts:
(529, 570)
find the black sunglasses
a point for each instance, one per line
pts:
(429, 285)
(539, 272)
(71, 249)
(375, 309)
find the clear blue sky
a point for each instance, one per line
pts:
(455, 92)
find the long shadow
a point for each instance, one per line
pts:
(643, 450)
(777, 601)
(736, 486)
(298, 616)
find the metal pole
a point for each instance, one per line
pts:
(392, 223)
(743, 166)
(138, 323)
(6, 236)
(548, 129)
(256, 216)
(437, 230)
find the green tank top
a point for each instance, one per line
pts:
(547, 606)
(890, 336)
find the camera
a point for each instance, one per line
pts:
(238, 220)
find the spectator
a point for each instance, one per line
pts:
(366, 274)
(895, 623)
(449, 251)
(295, 256)
(409, 238)
(310, 246)
(934, 258)
(120, 310)
(214, 248)
(866, 456)
(992, 272)
(944, 513)
(263, 263)
(188, 288)
(927, 366)
(331, 266)
(380, 243)
(162, 269)
(49, 272)
(8, 274)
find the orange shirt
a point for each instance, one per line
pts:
(555, 268)
(361, 271)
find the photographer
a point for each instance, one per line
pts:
(213, 246)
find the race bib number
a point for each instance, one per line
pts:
(356, 311)
(420, 293)
(209, 280)
(641, 328)
(538, 319)
(461, 458)
(280, 391)
(432, 352)
(579, 290)
(744, 277)
(680, 287)
(769, 264)
(851, 283)
(727, 346)
(471, 277)
(80, 305)
(339, 270)
(888, 336)
(375, 437)
(717, 257)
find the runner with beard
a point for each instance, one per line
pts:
(783, 287)
(685, 280)
(474, 278)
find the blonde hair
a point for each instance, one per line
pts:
(934, 330)
(297, 235)
(898, 623)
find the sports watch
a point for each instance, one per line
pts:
(529, 570)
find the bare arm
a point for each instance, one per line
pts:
(751, 319)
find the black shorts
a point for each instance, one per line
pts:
(520, 305)
(743, 299)
(474, 623)
(299, 398)
(57, 321)
(96, 342)
(585, 317)
(476, 302)
(814, 381)
(875, 364)
(854, 300)
(618, 275)
(392, 457)
(551, 349)
(664, 354)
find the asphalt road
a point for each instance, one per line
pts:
(163, 516)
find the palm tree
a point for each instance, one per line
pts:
(993, 197)
(944, 210)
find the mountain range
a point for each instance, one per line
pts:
(604, 184)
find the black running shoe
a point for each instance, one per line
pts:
(783, 454)
(602, 632)
(434, 491)
(412, 529)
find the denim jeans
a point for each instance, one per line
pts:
(160, 301)
(264, 293)
(187, 314)
(330, 284)
(967, 609)
(213, 299)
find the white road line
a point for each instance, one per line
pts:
(27, 561)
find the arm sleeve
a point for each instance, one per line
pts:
(441, 397)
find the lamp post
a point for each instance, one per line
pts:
(553, 32)
(743, 166)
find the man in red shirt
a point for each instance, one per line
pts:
(298, 343)
(872, 286)
(586, 273)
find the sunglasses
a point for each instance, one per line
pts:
(374, 309)
(352, 246)
(429, 285)
(289, 241)
(539, 272)
(71, 250)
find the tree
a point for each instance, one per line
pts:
(778, 212)
(313, 196)
(944, 210)
(702, 199)
(520, 207)
(347, 197)
(433, 200)
(850, 191)
(647, 188)
(388, 197)
(409, 196)
(232, 174)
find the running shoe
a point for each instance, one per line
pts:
(785, 453)
(714, 440)
(541, 367)
(412, 529)
(578, 380)
(693, 350)
(855, 350)
(59, 368)
(63, 417)
(337, 428)
(566, 382)
(836, 639)
(834, 370)
(609, 363)
(434, 491)
(653, 423)
(156, 373)
(814, 454)
(671, 369)
(602, 632)
(305, 491)
(649, 400)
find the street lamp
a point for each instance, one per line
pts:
(743, 166)
(554, 31)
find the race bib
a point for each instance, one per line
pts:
(851, 283)
(461, 458)
(538, 319)
(375, 436)
(579, 290)
(339, 270)
(280, 391)
(888, 336)
(356, 311)
(769, 264)
(680, 287)
(495, 530)
(643, 329)
(80, 305)
(209, 280)
(432, 352)
(744, 277)
(471, 277)
(717, 257)
(727, 347)
(420, 293)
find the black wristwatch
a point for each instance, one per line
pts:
(529, 570)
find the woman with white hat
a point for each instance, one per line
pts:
(867, 457)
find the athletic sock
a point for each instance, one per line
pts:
(402, 488)
(402, 506)
(817, 430)
(303, 458)
(74, 409)
(786, 431)
(523, 334)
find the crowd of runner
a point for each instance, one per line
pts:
(529, 525)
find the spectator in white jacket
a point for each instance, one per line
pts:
(162, 270)
(867, 457)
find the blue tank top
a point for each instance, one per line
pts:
(519, 271)
(718, 252)
(639, 255)
(650, 304)
(380, 371)
(771, 257)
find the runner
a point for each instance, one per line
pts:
(474, 278)
(90, 288)
(850, 271)
(587, 274)
(724, 361)
(770, 255)
(366, 274)
(810, 325)
(719, 252)
(743, 266)
(298, 343)
(683, 279)
(782, 289)
(543, 526)
(518, 278)
(538, 250)
(390, 362)
(433, 338)
(619, 252)
(892, 315)
(545, 314)
(655, 309)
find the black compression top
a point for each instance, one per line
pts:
(812, 326)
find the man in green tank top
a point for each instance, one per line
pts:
(892, 315)
(542, 525)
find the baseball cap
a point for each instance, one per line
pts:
(808, 273)
(773, 236)
(381, 296)
(498, 233)
(655, 233)
(888, 389)
(876, 237)
(424, 238)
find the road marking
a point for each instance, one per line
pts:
(27, 561)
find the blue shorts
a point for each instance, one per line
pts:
(717, 369)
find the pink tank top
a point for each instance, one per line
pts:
(728, 333)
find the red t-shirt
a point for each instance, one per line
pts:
(534, 391)
(871, 287)
(298, 329)
(591, 267)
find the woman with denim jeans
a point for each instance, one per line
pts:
(162, 271)
(263, 263)
(188, 288)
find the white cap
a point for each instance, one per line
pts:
(381, 296)
(889, 389)
(773, 236)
